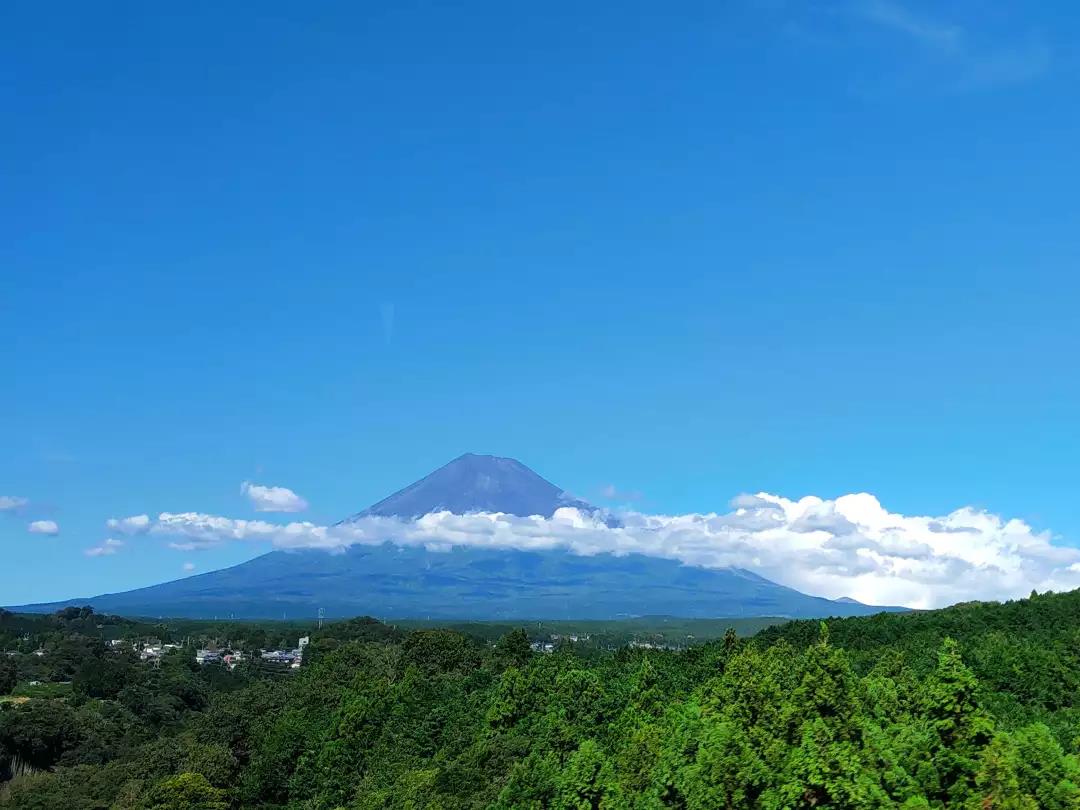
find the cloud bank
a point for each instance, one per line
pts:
(850, 546)
(50, 527)
(273, 499)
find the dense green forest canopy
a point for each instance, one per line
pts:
(975, 706)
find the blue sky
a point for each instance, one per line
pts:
(754, 246)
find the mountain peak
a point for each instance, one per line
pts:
(476, 483)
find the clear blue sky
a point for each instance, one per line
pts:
(691, 251)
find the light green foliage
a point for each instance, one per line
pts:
(997, 782)
(186, 791)
(588, 782)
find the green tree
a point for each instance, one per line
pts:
(997, 782)
(588, 782)
(727, 772)
(828, 766)
(39, 733)
(186, 791)
(1044, 770)
(9, 674)
(960, 726)
(513, 650)
(511, 701)
(434, 651)
(531, 783)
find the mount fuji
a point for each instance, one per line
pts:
(467, 583)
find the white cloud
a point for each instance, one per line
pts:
(850, 546)
(110, 546)
(273, 499)
(12, 503)
(189, 567)
(136, 524)
(50, 527)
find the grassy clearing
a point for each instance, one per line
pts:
(51, 691)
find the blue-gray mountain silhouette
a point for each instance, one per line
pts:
(475, 483)
(394, 581)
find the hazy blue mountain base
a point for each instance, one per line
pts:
(391, 581)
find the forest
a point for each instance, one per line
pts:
(973, 706)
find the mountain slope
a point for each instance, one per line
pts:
(467, 583)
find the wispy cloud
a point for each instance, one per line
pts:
(50, 527)
(848, 546)
(611, 492)
(931, 33)
(954, 47)
(973, 58)
(106, 549)
(273, 499)
(12, 503)
(136, 524)
(1014, 64)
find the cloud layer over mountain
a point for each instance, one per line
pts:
(850, 546)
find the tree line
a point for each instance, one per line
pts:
(974, 706)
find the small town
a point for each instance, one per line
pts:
(153, 650)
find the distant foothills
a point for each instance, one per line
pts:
(467, 583)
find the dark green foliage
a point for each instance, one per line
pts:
(39, 733)
(9, 674)
(974, 707)
(513, 648)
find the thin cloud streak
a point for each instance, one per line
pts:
(947, 38)
(977, 62)
(12, 503)
(937, 53)
(106, 549)
(613, 493)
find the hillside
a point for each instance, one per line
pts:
(464, 584)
